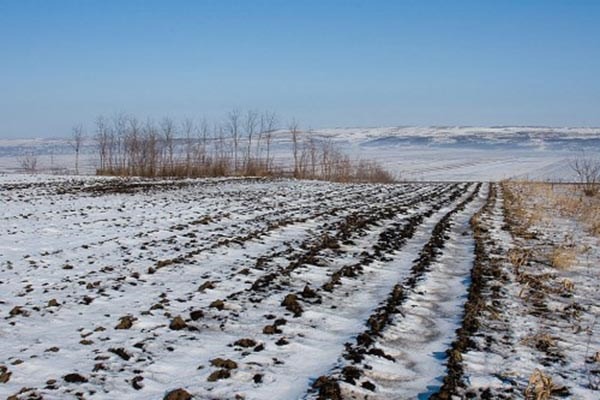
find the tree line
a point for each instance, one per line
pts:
(241, 145)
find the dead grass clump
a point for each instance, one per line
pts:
(519, 215)
(563, 257)
(540, 386)
(541, 341)
(519, 257)
(568, 203)
(592, 217)
(568, 285)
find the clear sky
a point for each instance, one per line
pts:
(327, 63)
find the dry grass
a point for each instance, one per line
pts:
(530, 204)
(563, 257)
(525, 205)
(519, 257)
(568, 201)
(591, 216)
(541, 341)
(540, 386)
(567, 285)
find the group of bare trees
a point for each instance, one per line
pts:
(28, 162)
(587, 170)
(319, 159)
(242, 145)
(128, 146)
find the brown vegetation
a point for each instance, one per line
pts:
(240, 146)
(587, 169)
(540, 386)
(568, 200)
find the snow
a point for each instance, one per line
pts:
(107, 248)
(414, 153)
(92, 250)
(509, 348)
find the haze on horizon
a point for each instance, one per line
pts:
(325, 63)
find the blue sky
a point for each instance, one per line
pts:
(326, 63)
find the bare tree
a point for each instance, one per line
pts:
(587, 169)
(201, 150)
(312, 149)
(151, 149)
(102, 141)
(77, 137)
(118, 145)
(133, 148)
(250, 126)
(293, 128)
(29, 162)
(268, 124)
(168, 132)
(233, 128)
(188, 128)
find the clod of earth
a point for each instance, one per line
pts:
(136, 382)
(219, 374)
(328, 388)
(121, 353)
(218, 304)
(18, 310)
(4, 374)
(308, 293)
(196, 315)
(351, 374)
(368, 385)
(290, 302)
(177, 324)
(380, 353)
(125, 322)
(99, 367)
(75, 378)
(177, 394)
(53, 303)
(31, 394)
(223, 363)
(271, 330)
(206, 285)
(245, 343)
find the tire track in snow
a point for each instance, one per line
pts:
(383, 343)
(306, 344)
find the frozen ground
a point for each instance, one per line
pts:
(414, 153)
(260, 289)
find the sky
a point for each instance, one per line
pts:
(326, 63)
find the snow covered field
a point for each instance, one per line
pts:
(413, 153)
(278, 289)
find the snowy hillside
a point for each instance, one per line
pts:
(413, 153)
